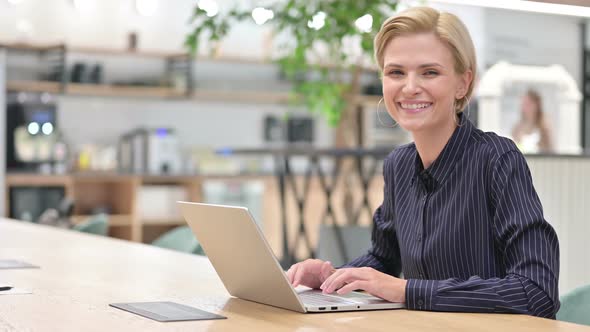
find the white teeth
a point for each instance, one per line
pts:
(415, 106)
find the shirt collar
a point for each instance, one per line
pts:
(447, 159)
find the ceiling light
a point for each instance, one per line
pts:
(364, 23)
(317, 21)
(85, 6)
(146, 7)
(262, 15)
(209, 6)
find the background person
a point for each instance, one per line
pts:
(532, 133)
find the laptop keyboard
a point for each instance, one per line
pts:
(318, 298)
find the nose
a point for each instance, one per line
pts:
(412, 85)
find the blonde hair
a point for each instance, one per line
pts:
(447, 27)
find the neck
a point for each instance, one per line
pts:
(431, 143)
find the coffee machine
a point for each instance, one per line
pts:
(31, 137)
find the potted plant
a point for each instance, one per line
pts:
(324, 77)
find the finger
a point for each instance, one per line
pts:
(291, 272)
(357, 284)
(299, 275)
(326, 271)
(339, 280)
(331, 278)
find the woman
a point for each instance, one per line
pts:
(460, 217)
(532, 133)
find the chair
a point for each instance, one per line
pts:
(575, 306)
(180, 239)
(340, 244)
(97, 224)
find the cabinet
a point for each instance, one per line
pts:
(116, 194)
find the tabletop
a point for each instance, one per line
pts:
(80, 274)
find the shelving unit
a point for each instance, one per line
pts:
(115, 220)
(175, 62)
(114, 192)
(180, 63)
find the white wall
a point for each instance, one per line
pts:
(565, 205)
(534, 39)
(521, 38)
(103, 120)
(107, 23)
(475, 20)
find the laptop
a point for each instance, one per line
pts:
(249, 270)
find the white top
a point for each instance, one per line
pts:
(529, 143)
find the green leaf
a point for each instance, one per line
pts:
(321, 89)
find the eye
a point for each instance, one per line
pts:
(395, 72)
(431, 73)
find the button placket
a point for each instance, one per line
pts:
(420, 236)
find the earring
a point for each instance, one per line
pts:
(455, 113)
(379, 117)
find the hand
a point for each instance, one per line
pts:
(376, 283)
(311, 273)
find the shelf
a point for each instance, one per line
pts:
(99, 90)
(25, 179)
(168, 179)
(34, 86)
(163, 222)
(123, 52)
(104, 90)
(242, 96)
(262, 61)
(114, 219)
(32, 47)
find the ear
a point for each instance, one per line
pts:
(464, 82)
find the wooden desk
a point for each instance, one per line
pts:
(81, 274)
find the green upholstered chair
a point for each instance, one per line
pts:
(97, 224)
(575, 306)
(180, 239)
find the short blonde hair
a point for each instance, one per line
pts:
(447, 27)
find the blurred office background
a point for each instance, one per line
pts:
(106, 114)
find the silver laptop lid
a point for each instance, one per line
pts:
(240, 254)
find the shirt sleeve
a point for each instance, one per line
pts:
(526, 244)
(384, 254)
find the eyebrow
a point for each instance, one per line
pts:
(433, 64)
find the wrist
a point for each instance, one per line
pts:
(402, 290)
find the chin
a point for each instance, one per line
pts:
(413, 125)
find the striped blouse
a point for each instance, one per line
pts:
(468, 232)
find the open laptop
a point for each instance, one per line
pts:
(248, 268)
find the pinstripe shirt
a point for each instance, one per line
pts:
(468, 232)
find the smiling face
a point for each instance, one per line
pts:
(420, 83)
